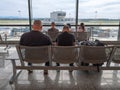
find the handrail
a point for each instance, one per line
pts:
(56, 25)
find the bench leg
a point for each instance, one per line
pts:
(15, 73)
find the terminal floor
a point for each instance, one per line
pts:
(63, 80)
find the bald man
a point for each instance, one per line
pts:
(35, 38)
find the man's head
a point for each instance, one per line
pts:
(66, 28)
(69, 25)
(53, 24)
(81, 24)
(37, 25)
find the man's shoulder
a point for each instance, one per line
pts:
(43, 35)
(26, 33)
(55, 29)
(60, 34)
(50, 29)
(46, 39)
(70, 34)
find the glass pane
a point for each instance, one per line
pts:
(103, 33)
(12, 33)
(100, 12)
(13, 12)
(59, 11)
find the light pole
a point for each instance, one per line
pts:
(96, 15)
(19, 13)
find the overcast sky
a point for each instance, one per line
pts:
(43, 8)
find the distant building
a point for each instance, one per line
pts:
(58, 16)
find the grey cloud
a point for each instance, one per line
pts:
(42, 8)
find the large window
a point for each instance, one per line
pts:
(13, 12)
(13, 33)
(101, 17)
(100, 12)
(59, 11)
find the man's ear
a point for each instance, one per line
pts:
(32, 26)
(41, 27)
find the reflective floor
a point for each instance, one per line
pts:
(63, 80)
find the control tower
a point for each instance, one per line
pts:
(57, 16)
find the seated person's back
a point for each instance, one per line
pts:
(65, 38)
(35, 38)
